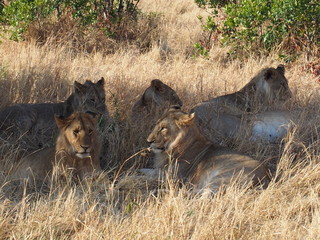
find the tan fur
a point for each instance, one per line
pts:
(77, 149)
(267, 87)
(150, 106)
(154, 100)
(222, 117)
(35, 122)
(270, 126)
(196, 159)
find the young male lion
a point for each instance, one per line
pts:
(77, 150)
(33, 125)
(196, 159)
(222, 117)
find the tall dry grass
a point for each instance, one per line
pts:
(128, 206)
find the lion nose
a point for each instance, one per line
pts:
(85, 147)
(150, 140)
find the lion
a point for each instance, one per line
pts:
(268, 86)
(35, 122)
(149, 107)
(221, 118)
(155, 99)
(197, 160)
(77, 149)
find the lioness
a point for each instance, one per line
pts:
(267, 86)
(150, 106)
(154, 100)
(222, 117)
(196, 159)
(77, 149)
(35, 122)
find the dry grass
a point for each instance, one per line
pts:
(128, 206)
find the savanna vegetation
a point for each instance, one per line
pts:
(47, 45)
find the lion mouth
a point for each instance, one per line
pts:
(83, 155)
(155, 148)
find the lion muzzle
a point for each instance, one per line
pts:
(85, 153)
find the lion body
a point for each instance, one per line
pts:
(270, 126)
(77, 149)
(34, 123)
(222, 117)
(196, 159)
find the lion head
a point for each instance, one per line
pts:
(155, 99)
(90, 97)
(172, 129)
(270, 84)
(171, 132)
(78, 134)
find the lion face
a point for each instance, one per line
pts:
(170, 130)
(90, 97)
(79, 131)
(274, 84)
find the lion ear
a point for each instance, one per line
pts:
(281, 69)
(269, 74)
(101, 82)
(79, 88)
(60, 121)
(157, 85)
(186, 119)
(174, 107)
(94, 116)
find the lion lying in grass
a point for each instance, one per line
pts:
(222, 117)
(195, 159)
(35, 123)
(77, 150)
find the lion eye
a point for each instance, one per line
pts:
(163, 130)
(76, 132)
